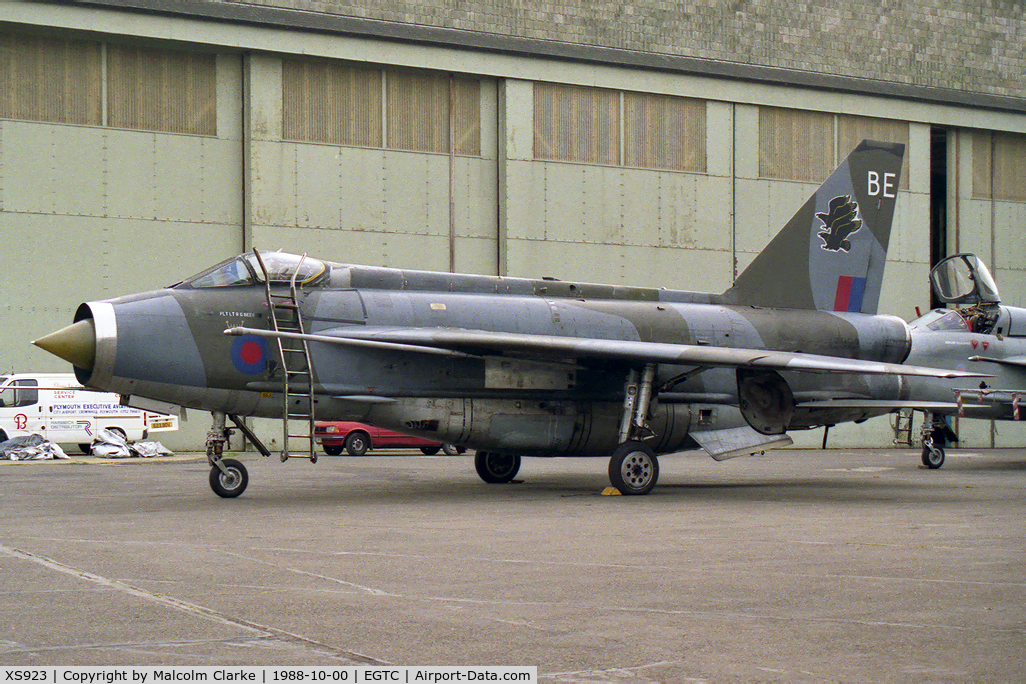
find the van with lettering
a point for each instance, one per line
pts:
(57, 407)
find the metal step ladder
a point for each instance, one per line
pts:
(902, 425)
(296, 367)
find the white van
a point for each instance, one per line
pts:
(57, 407)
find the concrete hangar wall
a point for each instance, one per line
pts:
(142, 141)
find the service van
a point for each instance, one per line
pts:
(57, 407)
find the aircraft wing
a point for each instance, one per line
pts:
(484, 343)
(1019, 361)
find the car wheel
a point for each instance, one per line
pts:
(357, 443)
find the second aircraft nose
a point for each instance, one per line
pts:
(75, 344)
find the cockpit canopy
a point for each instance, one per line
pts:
(964, 279)
(246, 270)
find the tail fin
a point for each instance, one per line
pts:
(830, 255)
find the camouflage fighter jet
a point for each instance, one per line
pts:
(515, 367)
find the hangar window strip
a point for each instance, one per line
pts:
(352, 105)
(161, 90)
(999, 166)
(612, 127)
(63, 81)
(50, 79)
(802, 145)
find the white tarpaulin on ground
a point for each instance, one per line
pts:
(110, 444)
(30, 448)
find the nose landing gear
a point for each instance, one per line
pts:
(228, 477)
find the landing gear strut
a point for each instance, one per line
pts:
(228, 477)
(633, 467)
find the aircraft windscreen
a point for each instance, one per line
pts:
(229, 273)
(939, 320)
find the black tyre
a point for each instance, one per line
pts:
(633, 469)
(334, 450)
(430, 451)
(357, 443)
(496, 468)
(85, 448)
(232, 481)
(933, 456)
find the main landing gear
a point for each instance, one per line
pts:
(496, 468)
(633, 467)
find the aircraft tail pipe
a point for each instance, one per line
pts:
(636, 401)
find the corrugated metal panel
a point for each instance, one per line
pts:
(331, 102)
(851, 130)
(50, 79)
(467, 95)
(576, 124)
(795, 145)
(664, 132)
(999, 166)
(161, 90)
(418, 111)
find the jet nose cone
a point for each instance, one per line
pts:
(75, 344)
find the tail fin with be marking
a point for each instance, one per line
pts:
(830, 256)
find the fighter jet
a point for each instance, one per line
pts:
(982, 334)
(516, 367)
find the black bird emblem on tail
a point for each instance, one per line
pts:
(840, 221)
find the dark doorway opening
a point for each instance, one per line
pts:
(938, 200)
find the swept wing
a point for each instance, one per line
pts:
(484, 343)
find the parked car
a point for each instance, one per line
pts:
(358, 438)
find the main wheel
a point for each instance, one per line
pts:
(333, 449)
(496, 468)
(633, 468)
(430, 451)
(933, 456)
(232, 481)
(357, 444)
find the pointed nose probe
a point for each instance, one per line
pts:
(75, 344)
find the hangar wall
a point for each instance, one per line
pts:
(546, 167)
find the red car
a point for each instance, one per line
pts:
(358, 438)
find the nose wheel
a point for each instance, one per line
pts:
(228, 477)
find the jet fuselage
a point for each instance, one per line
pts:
(169, 345)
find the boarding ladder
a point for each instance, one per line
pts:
(296, 368)
(902, 425)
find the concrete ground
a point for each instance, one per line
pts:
(799, 565)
